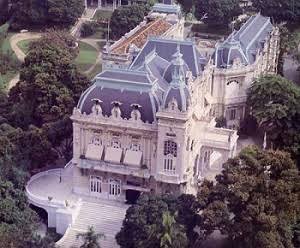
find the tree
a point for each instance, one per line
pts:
(255, 200)
(45, 13)
(275, 104)
(187, 6)
(126, 18)
(3, 11)
(64, 12)
(41, 103)
(217, 12)
(154, 222)
(90, 238)
(289, 9)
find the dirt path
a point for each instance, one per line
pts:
(19, 37)
(19, 53)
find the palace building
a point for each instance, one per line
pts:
(147, 124)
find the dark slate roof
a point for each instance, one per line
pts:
(165, 48)
(244, 43)
(180, 94)
(126, 75)
(146, 100)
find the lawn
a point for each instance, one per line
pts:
(87, 56)
(5, 78)
(97, 69)
(24, 45)
(102, 14)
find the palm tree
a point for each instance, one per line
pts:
(90, 238)
(167, 234)
(167, 223)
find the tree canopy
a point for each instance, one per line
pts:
(39, 106)
(275, 104)
(217, 12)
(90, 238)
(125, 18)
(279, 10)
(157, 222)
(255, 200)
(41, 13)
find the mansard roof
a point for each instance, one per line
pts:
(165, 48)
(124, 86)
(245, 43)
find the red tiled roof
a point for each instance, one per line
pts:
(154, 28)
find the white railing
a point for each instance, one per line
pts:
(45, 201)
(114, 168)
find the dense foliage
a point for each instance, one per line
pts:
(41, 13)
(90, 238)
(38, 107)
(18, 223)
(275, 104)
(126, 18)
(88, 28)
(279, 10)
(217, 12)
(255, 200)
(157, 221)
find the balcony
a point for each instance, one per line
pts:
(170, 178)
(104, 166)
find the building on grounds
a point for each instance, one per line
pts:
(163, 21)
(149, 125)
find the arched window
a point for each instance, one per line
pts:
(170, 155)
(114, 187)
(135, 147)
(95, 184)
(116, 144)
(96, 140)
(170, 147)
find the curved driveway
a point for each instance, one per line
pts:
(19, 53)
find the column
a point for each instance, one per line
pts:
(129, 2)
(120, 3)
(85, 4)
(114, 4)
(99, 4)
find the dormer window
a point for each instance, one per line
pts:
(173, 105)
(116, 111)
(135, 113)
(96, 109)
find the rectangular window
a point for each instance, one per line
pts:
(232, 114)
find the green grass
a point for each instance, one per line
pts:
(87, 56)
(97, 69)
(5, 78)
(102, 14)
(6, 48)
(24, 45)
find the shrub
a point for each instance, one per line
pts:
(88, 29)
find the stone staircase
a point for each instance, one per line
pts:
(105, 217)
